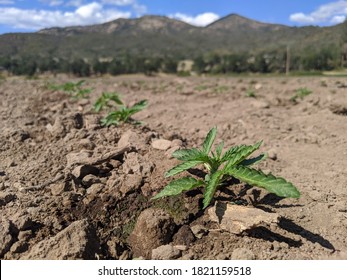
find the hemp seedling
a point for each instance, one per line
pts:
(75, 90)
(221, 168)
(104, 99)
(123, 114)
(301, 93)
(251, 93)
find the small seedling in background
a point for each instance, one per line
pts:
(75, 90)
(250, 93)
(301, 93)
(123, 113)
(104, 101)
(201, 87)
(234, 163)
(221, 89)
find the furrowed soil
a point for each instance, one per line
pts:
(71, 189)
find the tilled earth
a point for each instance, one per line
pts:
(70, 189)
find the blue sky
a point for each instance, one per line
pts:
(33, 15)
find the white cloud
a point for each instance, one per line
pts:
(92, 13)
(6, 2)
(338, 19)
(74, 3)
(301, 18)
(52, 3)
(89, 10)
(199, 20)
(333, 12)
(119, 2)
(139, 9)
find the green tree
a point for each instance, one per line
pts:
(80, 68)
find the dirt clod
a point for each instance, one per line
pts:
(161, 144)
(77, 241)
(166, 252)
(154, 227)
(237, 219)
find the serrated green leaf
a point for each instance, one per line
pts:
(114, 97)
(272, 184)
(230, 152)
(182, 167)
(98, 106)
(251, 161)
(112, 118)
(139, 106)
(219, 150)
(211, 187)
(190, 154)
(178, 186)
(211, 135)
(108, 121)
(240, 153)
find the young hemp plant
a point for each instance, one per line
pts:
(75, 90)
(104, 101)
(221, 167)
(300, 93)
(121, 113)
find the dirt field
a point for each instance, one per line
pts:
(70, 189)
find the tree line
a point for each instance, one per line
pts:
(309, 59)
(30, 66)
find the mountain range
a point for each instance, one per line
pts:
(162, 36)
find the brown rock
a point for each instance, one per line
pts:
(184, 236)
(92, 122)
(6, 198)
(161, 144)
(77, 158)
(23, 222)
(6, 238)
(133, 163)
(86, 144)
(89, 180)
(57, 129)
(154, 227)
(199, 231)
(237, 219)
(136, 164)
(132, 183)
(58, 188)
(166, 252)
(131, 139)
(77, 241)
(95, 189)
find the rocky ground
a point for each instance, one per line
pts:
(70, 189)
